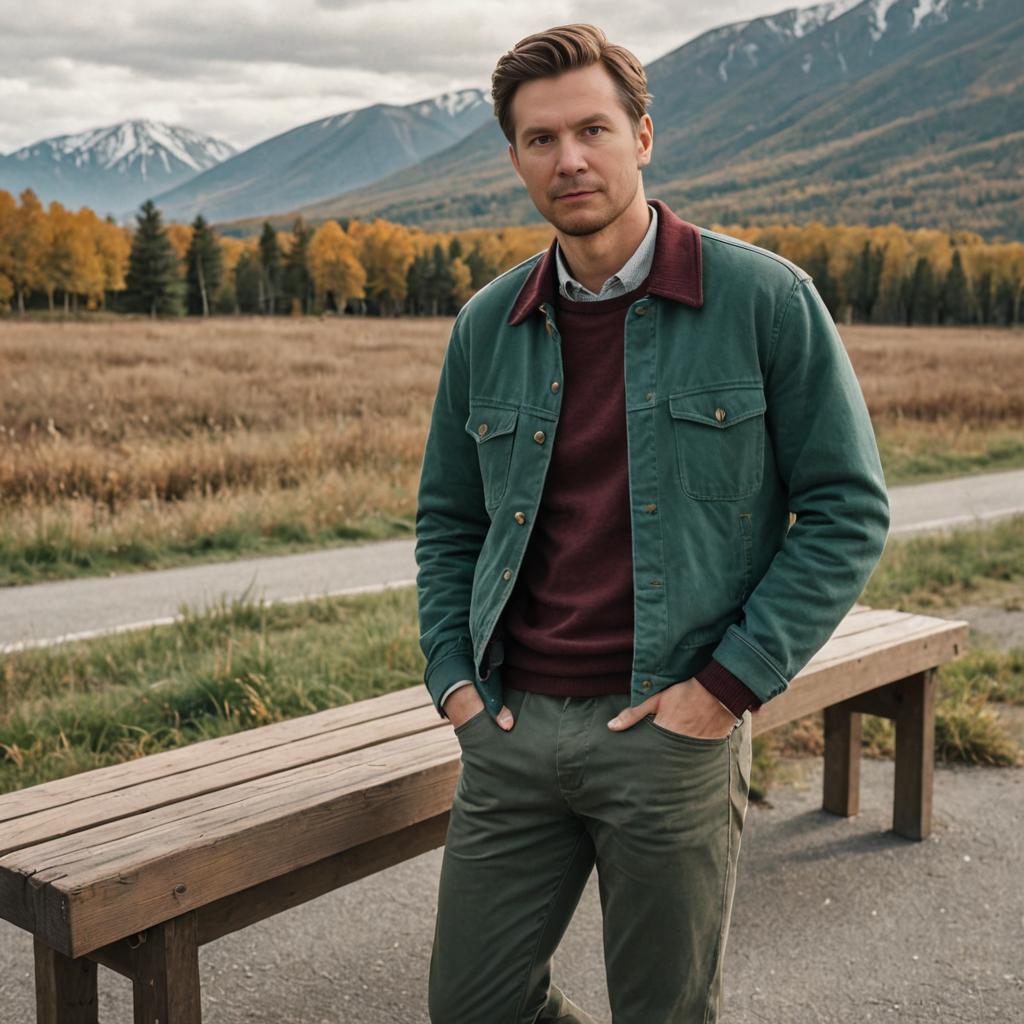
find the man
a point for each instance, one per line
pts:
(609, 585)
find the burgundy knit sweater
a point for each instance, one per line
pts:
(567, 628)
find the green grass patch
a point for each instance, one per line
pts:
(245, 663)
(914, 465)
(969, 564)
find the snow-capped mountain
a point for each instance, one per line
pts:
(328, 156)
(114, 168)
(870, 111)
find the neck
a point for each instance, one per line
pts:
(593, 258)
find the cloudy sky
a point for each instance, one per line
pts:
(244, 70)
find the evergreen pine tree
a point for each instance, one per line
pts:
(417, 286)
(956, 297)
(1004, 303)
(983, 300)
(867, 273)
(153, 283)
(922, 300)
(204, 268)
(249, 292)
(270, 265)
(298, 282)
(442, 283)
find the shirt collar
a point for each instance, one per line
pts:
(675, 271)
(628, 276)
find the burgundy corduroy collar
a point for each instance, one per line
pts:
(675, 272)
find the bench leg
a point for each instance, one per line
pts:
(915, 756)
(166, 982)
(841, 781)
(65, 988)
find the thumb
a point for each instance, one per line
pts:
(630, 716)
(505, 717)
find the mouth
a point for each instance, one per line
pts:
(575, 195)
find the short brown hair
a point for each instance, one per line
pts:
(559, 49)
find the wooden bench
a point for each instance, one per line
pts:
(137, 865)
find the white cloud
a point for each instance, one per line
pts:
(248, 69)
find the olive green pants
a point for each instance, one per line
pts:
(535, 808)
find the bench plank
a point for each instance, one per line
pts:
(91, 887)
(881, 657)
(90, 810)
(60, 792)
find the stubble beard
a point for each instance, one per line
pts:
(595, 223)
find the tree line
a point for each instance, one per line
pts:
(884, 274)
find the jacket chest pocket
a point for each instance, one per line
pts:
(719, 440)
(493, 428)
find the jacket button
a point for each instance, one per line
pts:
(539, 437)
(655, 583)
(482, 429)
(648, 395)
(641, 311)
(646, 684)
(554, 385)
(651, 508)
(507, 574)
(719, 415)
(520, 517)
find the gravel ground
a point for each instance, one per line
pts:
(836, 921)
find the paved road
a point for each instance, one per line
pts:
(47, 612)
(836, 921)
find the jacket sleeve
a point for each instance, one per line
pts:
(451, 525)
(827, 458)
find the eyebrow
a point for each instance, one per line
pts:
(540, 130)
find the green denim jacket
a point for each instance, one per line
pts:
(741, 407)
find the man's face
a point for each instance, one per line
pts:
(573, 135)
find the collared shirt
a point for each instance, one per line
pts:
(629, 276)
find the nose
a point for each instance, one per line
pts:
(571, 158)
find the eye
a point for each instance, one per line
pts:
(537, 137)
(597, 126)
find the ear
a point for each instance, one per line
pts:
(515, 162)
(644, 141)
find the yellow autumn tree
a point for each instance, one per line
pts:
(385, 250)
(28, 240)
(462, 281)
(113, 248)
(335, 266)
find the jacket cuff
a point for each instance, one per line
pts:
(730, 691)
(448, 670)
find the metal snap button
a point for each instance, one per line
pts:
(719, 415)
(507, 574)
(520, 517)
(539, 437)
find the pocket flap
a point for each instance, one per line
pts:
(487, 421)
(719, 406)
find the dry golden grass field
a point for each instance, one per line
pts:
(148, 443)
